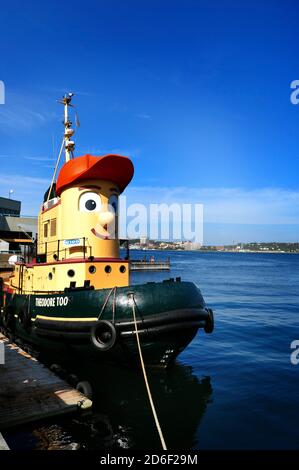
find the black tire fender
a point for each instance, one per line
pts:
(85, 388)
(103, 335)
(209, 326)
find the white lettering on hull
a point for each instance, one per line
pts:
(51, 301)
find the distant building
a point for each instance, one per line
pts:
(143, 240)
(192, 246)
(9, 207)
(15, 230)
(4, 246)
(219, 247)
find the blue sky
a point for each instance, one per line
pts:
(196, 92)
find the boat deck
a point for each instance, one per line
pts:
(29, 391)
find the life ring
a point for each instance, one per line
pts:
(209, 326)
(103, 335)
(85, 388)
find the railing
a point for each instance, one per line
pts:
(149, 265)
(50, 203)
(45, 249)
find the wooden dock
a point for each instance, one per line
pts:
(29, 391)
(149, 265)
(3, 444)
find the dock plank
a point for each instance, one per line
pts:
(3, 444)
(29, 391)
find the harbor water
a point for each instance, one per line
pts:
(233, 389)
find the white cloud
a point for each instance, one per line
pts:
(221, 205)
(40, 159)
(26, 189)
(22, 112)
(20, 117)
(228, 205)
(126, 151)
(143, 116)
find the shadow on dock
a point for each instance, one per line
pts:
(30, 392)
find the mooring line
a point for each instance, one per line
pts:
(114, 305)
(145, 378)
(106, 301)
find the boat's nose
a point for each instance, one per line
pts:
(106, 226)
(106, 218)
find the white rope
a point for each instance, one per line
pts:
(145, 379)
(56, 166)
(106, 301)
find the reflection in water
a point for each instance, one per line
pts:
(179, 396)
(122, 417)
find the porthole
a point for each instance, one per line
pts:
(108, 269)
(92, 269)
(50, 276)
(122, 269)
(71, 273)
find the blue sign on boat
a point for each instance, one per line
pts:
(72, 242)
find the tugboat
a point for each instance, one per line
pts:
(74, 297)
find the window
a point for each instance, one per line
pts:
(46, 230)
(53, 228)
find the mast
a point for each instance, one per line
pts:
(69, 145)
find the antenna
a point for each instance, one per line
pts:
(69, 145)
(77, 122)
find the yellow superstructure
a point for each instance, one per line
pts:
(71, 228)
(78, 242)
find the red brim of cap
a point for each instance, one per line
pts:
(115, 168)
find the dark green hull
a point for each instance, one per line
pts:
(99, 325)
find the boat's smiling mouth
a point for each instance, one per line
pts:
(103, 234)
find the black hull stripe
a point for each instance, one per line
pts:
(164, 318)
(153, 331)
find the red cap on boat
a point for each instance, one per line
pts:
(115, 168)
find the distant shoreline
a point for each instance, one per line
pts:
(220, 251)
(257, 251)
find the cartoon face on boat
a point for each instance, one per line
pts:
(89, 188)
(98, 205)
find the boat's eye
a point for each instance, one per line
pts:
(90, 202)
(113, 203)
